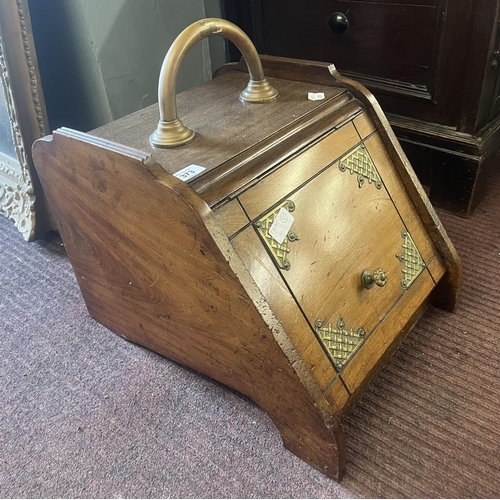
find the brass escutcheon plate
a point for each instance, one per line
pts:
(339, 342)
(279, 251)
(413, 264)
(358, 162)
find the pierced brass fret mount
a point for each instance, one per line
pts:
(279, 251)
(339, 342)
(358, 162)
(412, 260)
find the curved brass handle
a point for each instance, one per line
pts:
(171, 132)
(377, 277)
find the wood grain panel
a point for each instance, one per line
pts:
(245, 170)
(338, 396)
(397, 191)
(294, 173)
(231, 217)
(436, 268)
(364, 125)
(264, 272)
(343, 230)
(225, 127)
(379, 346)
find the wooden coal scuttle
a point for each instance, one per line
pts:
(284, 250)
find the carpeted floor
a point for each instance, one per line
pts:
(85, 414)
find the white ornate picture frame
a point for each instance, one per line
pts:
(23, 117)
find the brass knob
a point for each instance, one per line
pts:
(377, 277)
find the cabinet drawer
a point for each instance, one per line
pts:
(383, 39)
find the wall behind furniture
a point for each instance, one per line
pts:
(100, 60)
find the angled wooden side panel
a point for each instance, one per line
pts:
(155, 267)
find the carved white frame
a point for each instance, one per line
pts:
(25, 105)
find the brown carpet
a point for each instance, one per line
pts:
(85, 414)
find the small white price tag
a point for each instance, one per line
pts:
(315, 96)
(188, 172)
(281, 225)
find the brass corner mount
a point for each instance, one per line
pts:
(171, 132)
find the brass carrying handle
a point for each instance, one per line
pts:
(171, 132)
(377, 277)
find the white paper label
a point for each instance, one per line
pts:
(315, 96)
(281, 225)
(188, 172)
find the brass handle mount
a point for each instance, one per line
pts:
(171, 132)
(377, 277)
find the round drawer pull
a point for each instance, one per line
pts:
(338, 23)
(377, 277)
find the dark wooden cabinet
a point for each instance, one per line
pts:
(432, 64)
